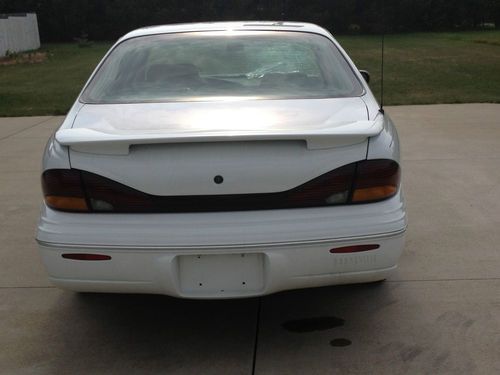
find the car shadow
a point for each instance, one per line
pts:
(120, 333)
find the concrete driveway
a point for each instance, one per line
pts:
(440, 313)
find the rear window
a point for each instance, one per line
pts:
(216, 65)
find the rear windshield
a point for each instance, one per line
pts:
(217, 65)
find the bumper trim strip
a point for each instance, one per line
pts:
(213, 247)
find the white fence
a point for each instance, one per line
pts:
(18, 32)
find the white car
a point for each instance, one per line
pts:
(222, 160)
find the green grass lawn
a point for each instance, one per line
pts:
(428, 68)
(420, 68)
(50, 87)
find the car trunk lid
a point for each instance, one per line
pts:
(255, 146)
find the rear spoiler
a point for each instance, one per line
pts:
(118, 143)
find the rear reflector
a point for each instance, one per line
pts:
(79, 256)
(353, 249)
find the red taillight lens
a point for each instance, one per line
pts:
(106, 195)
(62, 190)
(375, 180)
(331, 188)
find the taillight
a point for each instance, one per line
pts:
(63, 190)
(73, 190)
(360, 182)
(106, 195)
(375, 180)
(328, 189)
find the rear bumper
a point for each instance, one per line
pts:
(222, 255)
(281, 267)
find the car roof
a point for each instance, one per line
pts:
(228, 26)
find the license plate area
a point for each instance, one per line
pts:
(221, 274)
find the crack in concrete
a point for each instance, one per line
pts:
(28, 128)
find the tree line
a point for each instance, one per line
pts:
(64, 20)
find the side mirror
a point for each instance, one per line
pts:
(366, 75)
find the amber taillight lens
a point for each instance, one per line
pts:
(360, 182)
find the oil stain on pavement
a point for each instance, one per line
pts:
(321, 323)
(340, 342)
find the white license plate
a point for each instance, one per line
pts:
(221, 274)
